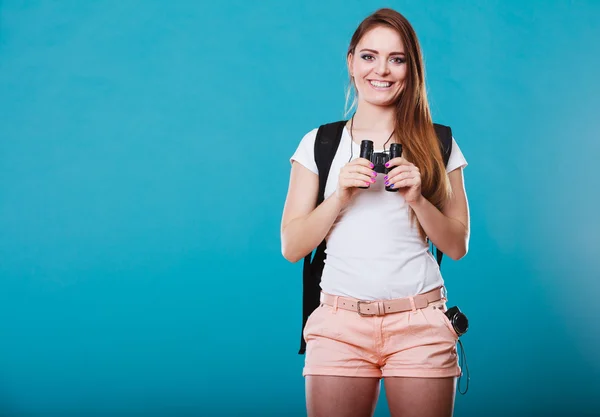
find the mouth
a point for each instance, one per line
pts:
(381, 85)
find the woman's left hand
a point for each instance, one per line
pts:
(405, 176)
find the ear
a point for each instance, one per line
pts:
(349, 63)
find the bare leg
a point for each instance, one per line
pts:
(337, 396)
(420, 397)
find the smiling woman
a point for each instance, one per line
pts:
(382, 301)
(379, 74)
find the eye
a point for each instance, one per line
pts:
(399, 60)
(367, 57)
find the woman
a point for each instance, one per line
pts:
(377, 250)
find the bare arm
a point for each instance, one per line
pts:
(303, 227)
(447, 230)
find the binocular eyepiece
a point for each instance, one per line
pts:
(379, 159)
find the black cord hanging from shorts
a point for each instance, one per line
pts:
(463, 356)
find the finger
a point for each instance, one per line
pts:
(397, 162)
(403, 175)
(408, 182)
(350, 183)
(411, 176)
(349, 179)
(398, 170)
(362, 161)
(405, 171)
(361, 169)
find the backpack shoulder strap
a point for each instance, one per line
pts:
(444, 134)
(326, 145)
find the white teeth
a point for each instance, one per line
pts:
(380, 84)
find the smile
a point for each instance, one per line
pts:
(380, 85)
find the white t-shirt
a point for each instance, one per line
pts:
(373, 251)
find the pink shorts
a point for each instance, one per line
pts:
(419, 343)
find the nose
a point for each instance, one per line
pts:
(382, 67)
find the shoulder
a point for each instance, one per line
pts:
(308, 138)
(451, 152)
(444, 132)
(305, 151)
(331, 132)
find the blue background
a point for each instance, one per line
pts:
(144, 163)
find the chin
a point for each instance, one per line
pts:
(379, 101)
(386, 100)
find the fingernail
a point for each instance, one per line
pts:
(391, 185)
(374, 174)
(387, 164)
(387, 183)
(372, 166)
(386, 177)
(372, 179)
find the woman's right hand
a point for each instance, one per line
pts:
(356, 173)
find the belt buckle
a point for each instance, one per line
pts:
(444, 292)
(358, 303)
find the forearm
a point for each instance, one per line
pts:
(449, 235)
(300, 236)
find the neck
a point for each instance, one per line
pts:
(372, 117)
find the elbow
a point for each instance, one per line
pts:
(457, 256)
(290, 257)
(290, 248)
(289, 254)
(459, 251)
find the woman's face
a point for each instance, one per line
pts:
(379, 66)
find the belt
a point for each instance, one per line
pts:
(381, 307)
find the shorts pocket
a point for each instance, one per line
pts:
(311, 318)
(440, 309)
(322, 323)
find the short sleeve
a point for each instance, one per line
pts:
(305, 152)
(457, 159)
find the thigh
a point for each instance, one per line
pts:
(420, 344)
(341, 343)
(339, 396)
(420, 397)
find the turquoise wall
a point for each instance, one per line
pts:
(144, 151)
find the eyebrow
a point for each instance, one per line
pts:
(376, 52)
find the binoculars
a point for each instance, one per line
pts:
(379, 159)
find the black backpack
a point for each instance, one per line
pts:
(326, 145)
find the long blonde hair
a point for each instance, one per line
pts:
(413, 122)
